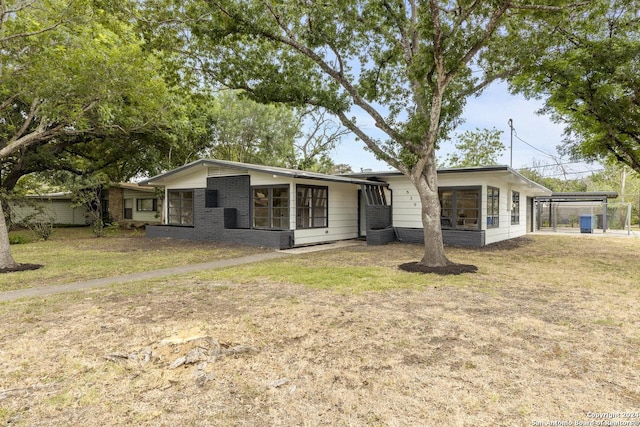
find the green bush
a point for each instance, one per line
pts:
(18, 239)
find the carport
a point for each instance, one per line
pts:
(560, 210)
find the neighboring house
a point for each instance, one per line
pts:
(55, 207)
(267, 206)
(125, 203)
(130, 204)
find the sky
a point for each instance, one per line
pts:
(492, 109)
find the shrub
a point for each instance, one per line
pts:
(42, 228)
(18, 239)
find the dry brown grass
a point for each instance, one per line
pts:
(545, 331)
(75, 254)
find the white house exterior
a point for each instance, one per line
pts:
(480, 205)
(268, 206)
(55, 207)
(260, 205)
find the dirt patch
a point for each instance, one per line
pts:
(21, 267)
(447, 270)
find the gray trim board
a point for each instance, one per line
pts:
(466, 238)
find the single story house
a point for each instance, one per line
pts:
(56, 207)
(128, 203)
(125, 203)
(479, 205)
(227, 201)
(260, 205)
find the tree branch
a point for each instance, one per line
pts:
(486, 34)
(290, 41)
(547, 8)
(370, 143)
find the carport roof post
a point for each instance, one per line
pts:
(585, 196)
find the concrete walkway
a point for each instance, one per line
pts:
(154, 274)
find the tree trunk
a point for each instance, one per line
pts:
(426, 182)
(6, 260)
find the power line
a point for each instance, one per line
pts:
(571, 173)
(535, 148)
(550, 165)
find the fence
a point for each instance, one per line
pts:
(565, 216)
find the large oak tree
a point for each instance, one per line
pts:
(405, 66)
(72, 75)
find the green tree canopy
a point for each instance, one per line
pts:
(591, 82)
(407, 66)
(243, 130)
(79, 91)
(476, 148)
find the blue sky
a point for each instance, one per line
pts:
(493, 108)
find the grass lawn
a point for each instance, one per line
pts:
(74, 254)
(547, 330)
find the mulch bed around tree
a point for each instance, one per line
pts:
(452, 269)
(21, 267)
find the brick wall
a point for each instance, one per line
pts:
(220, 224)
(234, 192)
(378, 217)
(116, 200)
(449, 237)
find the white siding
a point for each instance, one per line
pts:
(343, 201)
(268, 179)
(505, 230)
(343, 214)
(143, 216)
(407, 207)
(59, 210)
(343, 208)
(196, 179)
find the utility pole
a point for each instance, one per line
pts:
(511, 149)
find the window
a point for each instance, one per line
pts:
(375, 195)
(493, 207)
(181, 207)
(515, 208)
(128, 208)
(312, 206)
(460, 208)
(150, 205)
(271, 207)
